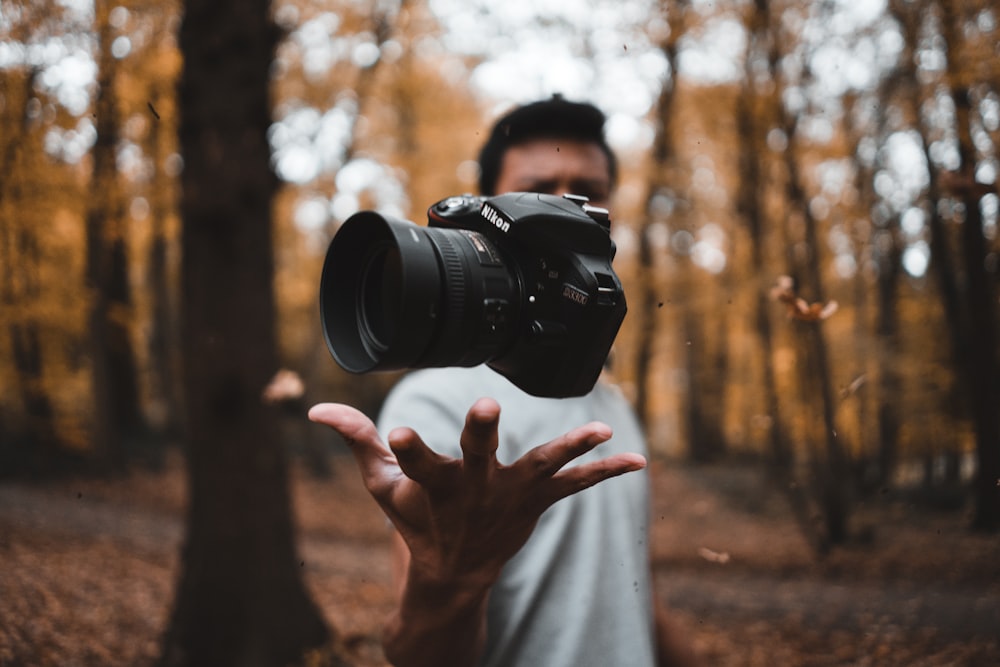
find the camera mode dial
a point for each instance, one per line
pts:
(458, 206)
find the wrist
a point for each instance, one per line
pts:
(445, 589)
(440, 619)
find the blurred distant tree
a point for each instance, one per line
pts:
(39, 289)
(118, 420)
(756, 111)
(804, 256)
(240, 598)
(768, 126)
(435, 120)
(701, 324)
(885, 247)
(959, 249)
(163, 318)
(157, 81)
(976, 311)
(661, 190)
(32, 441)
(905, 81)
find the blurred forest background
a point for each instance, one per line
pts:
(807, 225)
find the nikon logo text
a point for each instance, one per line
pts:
(494, 218)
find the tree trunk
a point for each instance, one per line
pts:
(968, 300)
(662, 175)
(241, 599)
(885, 246)
(982, 369)
(163, 362)
(890, 383)
(117, 416)
(32, 444)
(829, 461)
(750, 205)
(753, 121)
(706, 362)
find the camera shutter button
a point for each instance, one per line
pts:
(599, 215)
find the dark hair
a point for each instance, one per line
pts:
(554, 118)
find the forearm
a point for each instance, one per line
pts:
(437, 622)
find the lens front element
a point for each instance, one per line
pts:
(379, 294)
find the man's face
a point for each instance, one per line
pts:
(557, 167)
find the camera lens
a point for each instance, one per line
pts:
(395, 295)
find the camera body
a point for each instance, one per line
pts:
(520, 281)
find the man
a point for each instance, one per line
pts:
(500, 559)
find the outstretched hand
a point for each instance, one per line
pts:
(463, 519)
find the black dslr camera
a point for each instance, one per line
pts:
(520, 281)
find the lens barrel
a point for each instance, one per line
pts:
(396, 295)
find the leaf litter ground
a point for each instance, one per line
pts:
(88, 569)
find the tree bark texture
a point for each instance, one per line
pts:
(241, 599)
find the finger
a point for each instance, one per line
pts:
(479, 438)
(418, 461)
(372, 456)
(548, 459)
(573, 480)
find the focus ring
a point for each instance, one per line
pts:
(454, 277)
